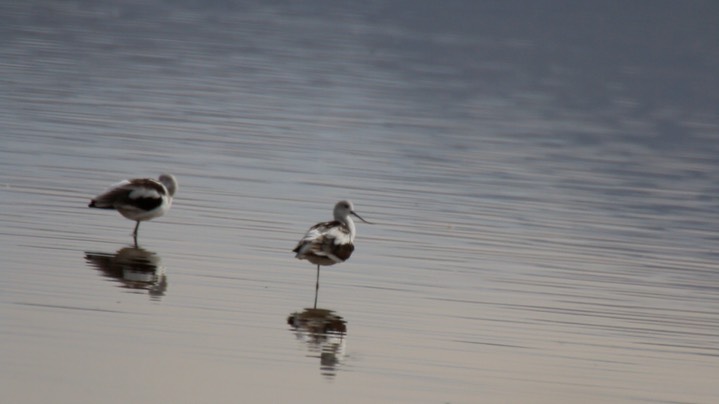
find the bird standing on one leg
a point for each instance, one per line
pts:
(139, 199)
(329, 243)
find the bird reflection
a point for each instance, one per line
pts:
(323, 331)
(134, 267)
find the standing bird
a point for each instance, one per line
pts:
(330, 243)
(139, 199)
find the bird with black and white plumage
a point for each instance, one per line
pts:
(139, 199)
(332, 242)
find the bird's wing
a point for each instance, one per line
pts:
(323, 239)
(338, 235)
(336, 244)
(314, 234)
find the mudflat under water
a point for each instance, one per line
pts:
(543, 182)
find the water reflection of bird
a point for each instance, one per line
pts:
(139, 199)
(134, 268)
(331, 242)
(323, 331)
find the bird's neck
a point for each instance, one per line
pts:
(351, 226)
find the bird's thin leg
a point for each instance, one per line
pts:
(134, 233)
(317, 285)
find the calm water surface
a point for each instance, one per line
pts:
(543, 183)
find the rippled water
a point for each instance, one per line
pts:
(543, 181)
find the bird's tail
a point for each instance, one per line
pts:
(99, 205)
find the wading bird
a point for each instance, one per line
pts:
(139, 199)
(329, 243)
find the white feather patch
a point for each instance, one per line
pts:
(338, 235)
(142, 192)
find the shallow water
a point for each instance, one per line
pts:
(544, 204)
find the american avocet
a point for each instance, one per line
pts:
(139, 199)
(329, 243)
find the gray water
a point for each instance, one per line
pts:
(543, 180)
